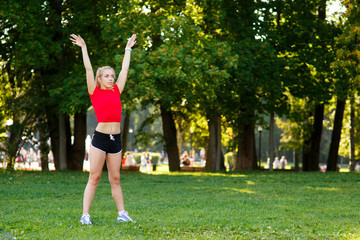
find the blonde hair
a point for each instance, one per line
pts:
(100, 72)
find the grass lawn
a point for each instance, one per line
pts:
(244, 205)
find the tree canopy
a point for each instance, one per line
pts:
(230, 64)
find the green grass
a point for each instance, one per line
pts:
(245, 205)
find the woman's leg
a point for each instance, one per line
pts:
(113, 162)
(97, 160)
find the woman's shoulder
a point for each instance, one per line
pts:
(96, 89)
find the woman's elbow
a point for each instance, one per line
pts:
(124, 70)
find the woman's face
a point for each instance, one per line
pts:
(107, 79)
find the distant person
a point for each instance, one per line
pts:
(202, 157)
(357, 167)
(202, 153)
(106, 141)
(148, 161)
(123, 161)
(186, 160)
(276, 163)
(323, 167)
(283, 162)
(163, 156)
(148, 158)
(143, 161)
(130, 160)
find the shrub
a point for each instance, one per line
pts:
(155, 158)
(137, 157)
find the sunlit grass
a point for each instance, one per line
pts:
(200, 205)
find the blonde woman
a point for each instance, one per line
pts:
(106, 141)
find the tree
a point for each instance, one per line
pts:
(346, 86)
(38, 55)
(256, 84)
(306, 45)
(162, 78)
(22, 51)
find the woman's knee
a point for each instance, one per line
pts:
(114, 180)
(94, 179)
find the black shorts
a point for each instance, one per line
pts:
(107, 143)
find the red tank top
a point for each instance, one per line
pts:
(107, 104)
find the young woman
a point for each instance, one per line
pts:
(106, 141)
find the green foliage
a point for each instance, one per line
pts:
(346, 68)
(137, 157)
(42, 72)
(147, 130)
(305, 41)
(237, 59)
(310, 42)
(257, 205)
(155, 158)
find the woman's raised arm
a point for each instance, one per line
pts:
(91, 84)
(125, 64)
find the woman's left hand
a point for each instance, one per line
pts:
(131, 41)
(77, 40)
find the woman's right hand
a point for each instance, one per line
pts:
(76, 39)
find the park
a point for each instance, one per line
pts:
(225, 119)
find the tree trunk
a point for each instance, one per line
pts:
(297, 160)
(306, 155)
(63, 141)
(315, 145)
(220, 164)
(179, 137)
(169, 131)
(336, 136)
(271, 141)
(52, 110)
(125, 132)
(352, 135)
(54, 132)
(44, 151)
(124, 135)
(13, 142)
(211, 148)
(246, 156)
(254, 162)
(44, 146)
(75, 158)
(215, 160)
(311, 155)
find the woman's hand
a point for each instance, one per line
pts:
(131, 41)
(91, 84)
(77, 40)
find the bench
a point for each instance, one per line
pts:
(192, 169)
(292, 169)
(133, 168)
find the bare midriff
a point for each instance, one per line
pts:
(109, 127)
